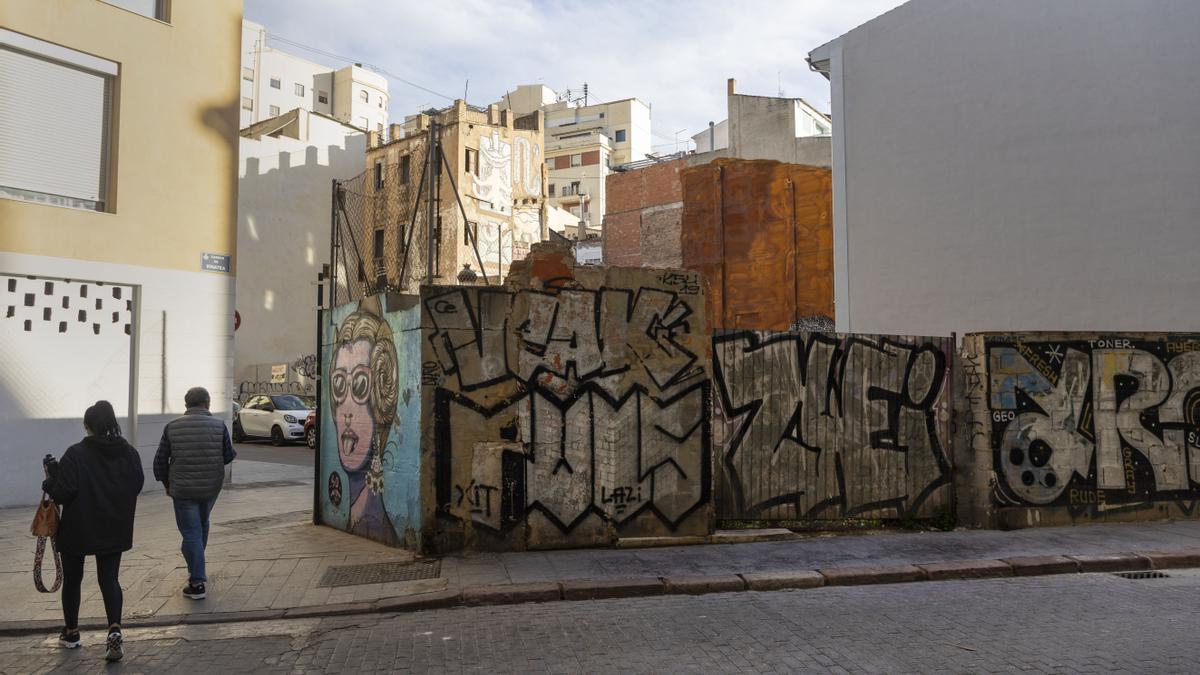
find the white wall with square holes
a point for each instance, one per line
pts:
(73, 332)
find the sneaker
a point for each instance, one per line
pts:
(194, 591)
(113, 651)
(68, 640)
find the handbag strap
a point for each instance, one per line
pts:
(38, 556)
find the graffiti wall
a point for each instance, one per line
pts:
(819, 425)
(570, 407)
(370, 419)
(1078, 426)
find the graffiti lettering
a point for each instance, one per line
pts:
(825, 425)
(1097, 425)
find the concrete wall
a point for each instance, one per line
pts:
(819, 425)
(1006, 138)
(284, 227)
(1074, 427)
(173, 197)
(568, 408)
(370, 411)
(760, 232)
(767, 127)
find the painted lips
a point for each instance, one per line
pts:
(349, 442)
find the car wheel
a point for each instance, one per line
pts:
(276, 436)
(310, 437)
(239, 434)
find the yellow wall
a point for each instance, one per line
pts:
(176, 109)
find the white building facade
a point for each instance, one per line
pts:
(287, 165)
(274, 82)
(995, 168)
(583, 143)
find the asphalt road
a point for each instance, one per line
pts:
(1070, 623)
(296, 454)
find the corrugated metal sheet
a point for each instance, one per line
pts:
(821, 425)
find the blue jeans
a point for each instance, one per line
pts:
(191, 517)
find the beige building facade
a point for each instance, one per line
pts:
(491, 197)
(117, 219)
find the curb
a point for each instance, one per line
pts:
(599, 589)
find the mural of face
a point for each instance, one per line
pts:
(350, 394)
(363, 393)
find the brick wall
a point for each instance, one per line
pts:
(644, 211)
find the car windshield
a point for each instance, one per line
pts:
(288, 402)
(310, 402)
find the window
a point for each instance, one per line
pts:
(619, 137)
(575, 187)
(322, 97)
(551, 189)
(378, 175)
(470, 232)
(248, 74)
(55, 154)
(154, 9)
(364, 96)
(274, 111)
(364, 123)
(576, 159)
(275, 83)
(247, 103)
(472, 161)
(379, 128)
(379, 243)
(404, 169)
(380, 101)
(299, 89)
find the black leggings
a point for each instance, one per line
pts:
(108, 567)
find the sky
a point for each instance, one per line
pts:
(675, 56)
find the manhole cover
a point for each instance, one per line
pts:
(380, 573)
(260, 522)
(1142, 575)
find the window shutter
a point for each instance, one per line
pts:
(53, 126)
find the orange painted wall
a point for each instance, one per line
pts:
(762, 234)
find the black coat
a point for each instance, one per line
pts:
(97, 484)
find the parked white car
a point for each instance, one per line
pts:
(279, 417)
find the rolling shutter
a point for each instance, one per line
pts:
(54, 121)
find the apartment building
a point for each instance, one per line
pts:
(274, 82)
(117, 219)
(490, 198)
(788, 130)
(583, 143)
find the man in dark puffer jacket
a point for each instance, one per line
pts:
(190, 463)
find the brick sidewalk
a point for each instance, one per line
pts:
(266, 558)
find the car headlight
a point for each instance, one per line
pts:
(289, 419)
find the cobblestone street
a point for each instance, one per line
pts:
(1075, 623)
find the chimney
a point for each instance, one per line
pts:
(494, 114)
(395, 131)
(731, 87)
(372, 139)
(712, 136)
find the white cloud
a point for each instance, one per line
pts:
(675, 56)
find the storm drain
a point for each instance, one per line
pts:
(380, 573)
(1142, 575)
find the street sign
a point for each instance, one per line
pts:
(214, 262)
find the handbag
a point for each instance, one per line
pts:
(45, 526)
